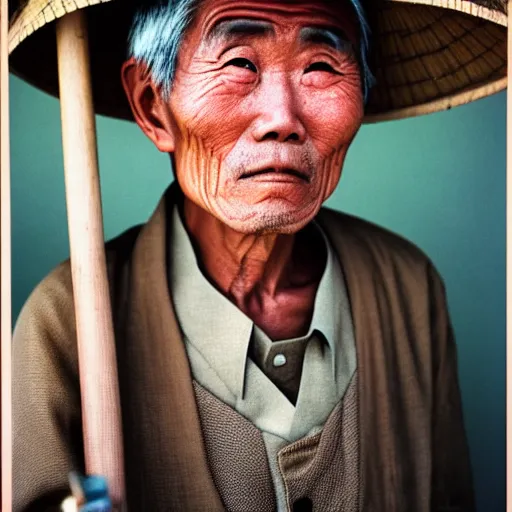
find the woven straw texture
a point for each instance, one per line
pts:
(427, 56)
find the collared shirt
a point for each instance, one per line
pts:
(222, 345)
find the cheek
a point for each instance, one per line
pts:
(334, 123)
(209, 114)
(334, 166)
(333, 116)
(197, 172)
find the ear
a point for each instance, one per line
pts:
(148, 108)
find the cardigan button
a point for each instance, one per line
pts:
(303, 505)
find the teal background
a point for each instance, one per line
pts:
(439, 180)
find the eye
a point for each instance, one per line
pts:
(242, 63)
(320, 66)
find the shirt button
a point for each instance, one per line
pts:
(279, 360)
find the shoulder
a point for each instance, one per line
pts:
(370, 237)
(46, 413)
(49, 309)
(371, 248)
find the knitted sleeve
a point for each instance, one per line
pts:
(452, 485)
(46, 420)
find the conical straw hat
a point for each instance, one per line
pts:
(428, 55)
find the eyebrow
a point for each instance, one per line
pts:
(332, 37)
(231, 29)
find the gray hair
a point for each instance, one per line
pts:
(158, 28)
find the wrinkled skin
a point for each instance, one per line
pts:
(259, 121)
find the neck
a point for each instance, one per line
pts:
(251, 268)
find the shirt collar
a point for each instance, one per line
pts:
(326, 315)
(212, 324)
(326, 312)
(220, 331)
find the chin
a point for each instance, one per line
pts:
(266, 220)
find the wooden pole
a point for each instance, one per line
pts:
(5, 266)
(96, 348)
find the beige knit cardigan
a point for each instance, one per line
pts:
(414, 454)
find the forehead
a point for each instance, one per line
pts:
(337, 15)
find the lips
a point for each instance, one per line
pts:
(275, 173)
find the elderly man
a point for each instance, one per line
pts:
(272, 355)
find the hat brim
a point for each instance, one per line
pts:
(429, 55)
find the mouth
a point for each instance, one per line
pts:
(277, 174)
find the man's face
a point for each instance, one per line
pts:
(265, 103)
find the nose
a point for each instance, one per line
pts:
(278, 116)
